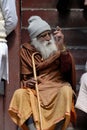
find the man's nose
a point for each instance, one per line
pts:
(47, 37)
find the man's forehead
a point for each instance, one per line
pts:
(45, 32)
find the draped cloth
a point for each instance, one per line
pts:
(55, 93)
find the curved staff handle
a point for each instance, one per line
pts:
(36, 87)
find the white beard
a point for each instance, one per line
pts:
(46, 48)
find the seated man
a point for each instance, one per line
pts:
(81, 103)
(47, 65)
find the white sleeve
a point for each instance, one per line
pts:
(10, 15)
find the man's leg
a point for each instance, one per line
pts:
(28, 125)
(59, 125)
(66, 123)
(23, 127)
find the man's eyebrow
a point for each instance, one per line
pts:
(44, 33)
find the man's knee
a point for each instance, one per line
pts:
(67, 90)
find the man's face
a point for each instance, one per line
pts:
(45, 36)
(45, 44)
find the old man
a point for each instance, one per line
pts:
(46, 64)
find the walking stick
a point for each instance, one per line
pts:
(36, 87)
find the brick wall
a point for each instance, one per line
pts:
(73, 23)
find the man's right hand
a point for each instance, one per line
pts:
(29, 83)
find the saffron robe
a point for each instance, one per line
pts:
(55, 90)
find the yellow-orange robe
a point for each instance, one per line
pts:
(56, 84)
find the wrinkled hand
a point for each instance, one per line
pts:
(31, 83)
(59, 38)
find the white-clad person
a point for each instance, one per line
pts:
(81, 103)
(8, 22)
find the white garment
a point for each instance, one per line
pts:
(10, 14)
(2, 27)
(81, 102)
(8, 8)
(3, 60)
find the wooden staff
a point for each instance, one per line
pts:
(36, 87)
